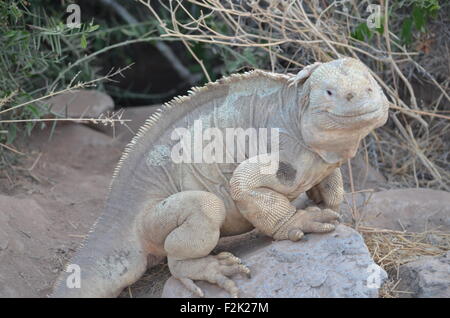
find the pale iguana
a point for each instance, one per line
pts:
(179, 210)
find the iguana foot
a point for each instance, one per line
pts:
(310, 220)
(213, 268)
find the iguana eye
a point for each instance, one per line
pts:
(330, 93)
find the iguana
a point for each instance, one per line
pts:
(180, 210)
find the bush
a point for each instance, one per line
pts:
(36, 48)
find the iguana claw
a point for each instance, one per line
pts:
(215, 269)
(310, 220)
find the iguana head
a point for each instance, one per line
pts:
(343, 103)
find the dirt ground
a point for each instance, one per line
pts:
(50, 199)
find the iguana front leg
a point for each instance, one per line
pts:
(330, 191)
(261, 198)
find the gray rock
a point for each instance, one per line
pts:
(427, 277)
(336, 264)
(412, 210)
(81, 103)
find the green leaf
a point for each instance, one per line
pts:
(419, 18)
(357, 35)
(130, 32)
(406, 33)
(29, 127)
(12, 133)
(93, 28)
(250, 56)
(34, 110)
(83, 41)
(362, 32)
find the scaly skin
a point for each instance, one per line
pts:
(180, 211)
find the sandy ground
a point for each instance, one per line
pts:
(52, 197)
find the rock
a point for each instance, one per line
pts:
(81, 103)
(427, 277)
(23, 224)
(77, 146)
(413, 210)
(336, 264)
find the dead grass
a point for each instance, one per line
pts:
(391, 249)
(150, 285)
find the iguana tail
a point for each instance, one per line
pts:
(107, 262)
(114, 255)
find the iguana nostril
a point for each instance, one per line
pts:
(349, 96)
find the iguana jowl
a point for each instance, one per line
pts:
(179, 210)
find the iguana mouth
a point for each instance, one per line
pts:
(353, 115)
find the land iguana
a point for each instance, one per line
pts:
(180, 210)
